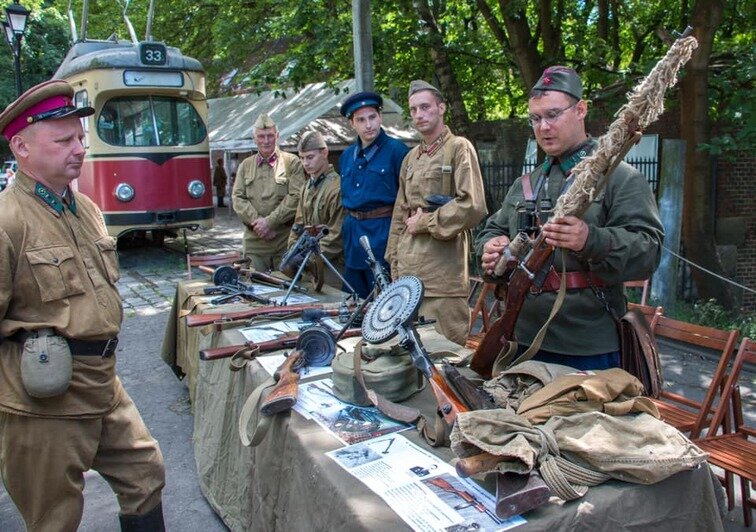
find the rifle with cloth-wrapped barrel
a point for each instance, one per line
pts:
(523, 262)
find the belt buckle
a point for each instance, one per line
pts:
(112, 343)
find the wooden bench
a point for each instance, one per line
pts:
(481, 307)
(644, 285)
(735, 450)
(682, 412)
(648, 311)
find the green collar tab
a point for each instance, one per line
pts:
(43, 193)
(566, 164)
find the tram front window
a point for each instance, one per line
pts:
(150, 121)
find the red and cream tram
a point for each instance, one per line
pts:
(147, 163)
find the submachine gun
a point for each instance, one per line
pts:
(393, 313)
(307, 245)
(226, 281)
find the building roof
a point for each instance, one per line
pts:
(316, 107)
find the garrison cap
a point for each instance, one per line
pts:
(49, 100)
(311, 140)
(562, 79)
(264, 121)
(420, 85)
(360, 100)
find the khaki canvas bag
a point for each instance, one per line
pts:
(388, 370)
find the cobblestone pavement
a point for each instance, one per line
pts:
(149, 274)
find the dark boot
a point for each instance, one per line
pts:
(152, 521)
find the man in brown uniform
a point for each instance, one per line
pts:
(265, 196)
(440, 197)
(219, 181)
(63, 410)
(320, 203)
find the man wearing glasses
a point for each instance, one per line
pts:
(619, 238)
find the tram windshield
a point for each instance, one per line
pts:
(150, 121)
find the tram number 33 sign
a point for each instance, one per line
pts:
(152, 54)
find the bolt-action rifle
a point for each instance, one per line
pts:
(523, 269)
(200, 320)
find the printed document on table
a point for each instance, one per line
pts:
(421, 488)
(274, 329)
(348, 423)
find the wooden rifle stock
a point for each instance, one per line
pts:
(200, 320)
(502, 330)
(270, 345)
(284, 395)
(448, 403)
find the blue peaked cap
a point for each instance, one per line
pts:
(360, 100)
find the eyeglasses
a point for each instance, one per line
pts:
(551, 116)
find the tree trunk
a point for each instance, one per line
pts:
(449, 86)
(699, 200)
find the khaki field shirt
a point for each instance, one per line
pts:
(438, 253)
(320, 203)
(58, 269)
(271, 192)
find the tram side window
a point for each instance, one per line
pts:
(150, 121)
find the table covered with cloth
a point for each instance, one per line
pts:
(288, 483)
(180, 349)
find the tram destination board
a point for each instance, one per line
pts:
(152, 53)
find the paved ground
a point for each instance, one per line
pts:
(148, 281)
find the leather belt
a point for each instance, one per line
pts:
(79, 348)
(380, 212)
(574, 280)
(83, 348)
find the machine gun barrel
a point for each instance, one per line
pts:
(382, 278)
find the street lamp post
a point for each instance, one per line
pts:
(15, 26)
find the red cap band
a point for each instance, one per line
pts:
(22, 120)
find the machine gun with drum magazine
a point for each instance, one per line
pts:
(299, 254)
(392, 314)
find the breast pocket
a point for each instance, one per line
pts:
(109, 255)
(55, 272)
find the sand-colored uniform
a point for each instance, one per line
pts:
(271, 192)
(320, 203)
(58, 269)
(438, 252)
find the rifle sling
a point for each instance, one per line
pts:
(506, 358)
(252, 405)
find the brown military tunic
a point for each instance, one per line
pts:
(320, 203)
(437, 254)
(271, 192)
(58, 269)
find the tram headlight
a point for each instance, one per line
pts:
(196, 189)
(124, 192)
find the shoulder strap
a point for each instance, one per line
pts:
(447, 168)
(527, 189)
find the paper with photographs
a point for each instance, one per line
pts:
(421, 488)
(348, 423)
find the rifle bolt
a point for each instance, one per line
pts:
(446, 408)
